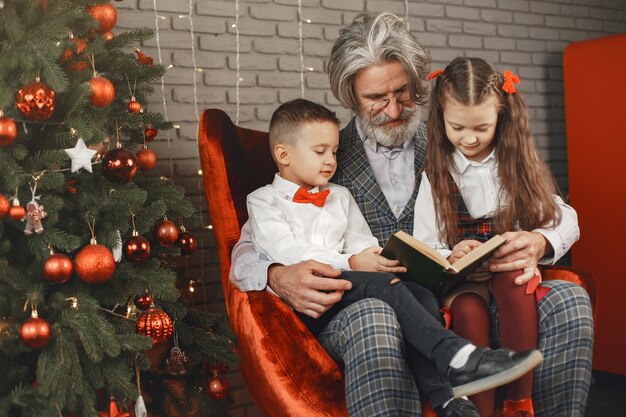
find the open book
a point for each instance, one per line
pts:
(430, 269)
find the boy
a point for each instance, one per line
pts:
(302, 216)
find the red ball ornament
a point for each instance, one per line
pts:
(187, 242)
(102, 92)
(150, 133)
(35, 101)
(165, 232)
(143, 302)
(104, 14)
(4, 206)
(136, 249)
(57, 268)
(155, 324)
(94, 264)
(16, 211)
(119, 166)
(8, 130)
(146, 158)
(133, 106)
(35, 332)
(216, 388)
(72, 57)
(108, 36)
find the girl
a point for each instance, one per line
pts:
(483, 175)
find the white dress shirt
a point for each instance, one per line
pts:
(478, 183)
(286, 232)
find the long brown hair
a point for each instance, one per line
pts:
(527, 188)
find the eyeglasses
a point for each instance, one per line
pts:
(402, 97)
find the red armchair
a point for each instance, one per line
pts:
(284, 368)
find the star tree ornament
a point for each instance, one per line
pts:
(113, 411)
(81, 156)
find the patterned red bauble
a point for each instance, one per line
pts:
(4, 206)
(136, 249)
(8, 130)
(102, 92)
(216, 388)
(72, 57)
(143, 302)
(165, 232)
(16, 211)
(146, 158)
(105, 14)
(57, 268)
(188, 243)
(155, 324)
(133, 106)
(119, 166)
(35, 333)
(94, 264)
(35, 101)
(150, 133)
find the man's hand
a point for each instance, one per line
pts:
(310, 287)
(370, 259)
(522, 250)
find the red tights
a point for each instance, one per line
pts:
(518, 329)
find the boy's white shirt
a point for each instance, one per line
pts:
(288, 233)
(478, 183)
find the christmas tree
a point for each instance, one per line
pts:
(89, 240)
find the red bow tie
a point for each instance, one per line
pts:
(302, 196)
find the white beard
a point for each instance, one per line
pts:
(392, 136)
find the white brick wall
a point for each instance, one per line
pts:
(527, 37)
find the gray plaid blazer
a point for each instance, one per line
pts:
(355, 173)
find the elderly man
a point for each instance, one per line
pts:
(379, 70)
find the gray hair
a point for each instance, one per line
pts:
(376, 39)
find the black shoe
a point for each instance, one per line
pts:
(486, 369)
(458, 407)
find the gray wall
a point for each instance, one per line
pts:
(527, 37)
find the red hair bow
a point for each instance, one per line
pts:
(434, 74)
(510, 80)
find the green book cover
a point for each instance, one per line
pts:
(428, 268)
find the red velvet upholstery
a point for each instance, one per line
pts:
(284, 368)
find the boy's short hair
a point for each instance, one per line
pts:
(288, 119)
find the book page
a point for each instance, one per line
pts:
(483, 250)
(423, 248)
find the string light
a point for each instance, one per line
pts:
(157, 17)
(191, 285)
(236, 26)
(301, 48)
(193, 60)
(406, 14)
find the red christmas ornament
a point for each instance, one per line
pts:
(146, 158)
(155, 324)
(35, 332)
(57, 268)
(35, 101)
(150, 133)
(143, 58)
(136, 249)
(105, 14)
(72, 57)
(16, 211)
(133, 106)
(8, 130)
(165, 232)
(4, 206)
(143, 302)
(102, 92)
(187, 242)
(113, 411)
(108, 36)
(119, 166)
(94, 263)
(216, 388)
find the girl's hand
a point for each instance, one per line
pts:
(462, 248)
(370, 260)
(480, 274)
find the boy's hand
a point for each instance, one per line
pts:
(462, 248)
(370, 260)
